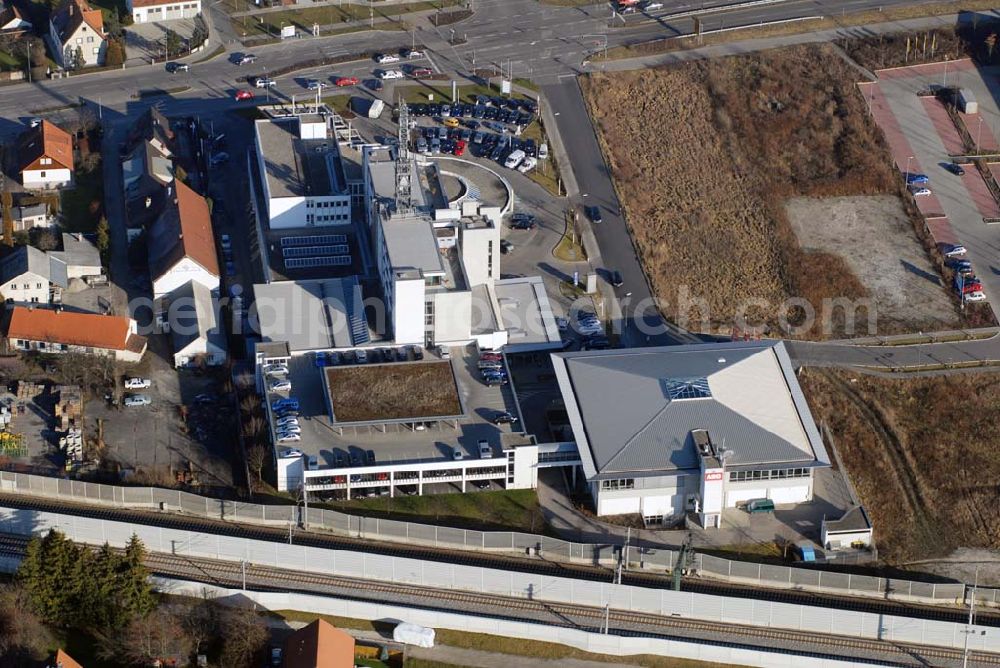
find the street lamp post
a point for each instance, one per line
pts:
(906, 174)
(979, 132)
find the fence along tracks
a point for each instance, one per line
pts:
(581, 617)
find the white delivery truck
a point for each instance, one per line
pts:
(967, 101)
(376, 108)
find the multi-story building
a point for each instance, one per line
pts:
(302, 178)
(181, 243)
(76, 30)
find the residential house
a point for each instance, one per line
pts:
(194, 322)
(319, 645)
(29, 216)
(181, 244)
(13, 21)
(64, 660)
(31, 276)
(75, 26)
(147, 170)
(56, 331)
(45, 155)
(147, 11)
(80, 255)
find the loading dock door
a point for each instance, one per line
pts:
(738, 496)
(797, 494)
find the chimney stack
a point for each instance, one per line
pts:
(149, 202)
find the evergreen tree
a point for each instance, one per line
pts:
(51, 575)
(134, 591)
(103, 238)
(78, 61)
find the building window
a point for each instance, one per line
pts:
(38, 285)
(97, 50)
(43, 175)
(620, 483)
(46, 161)
(79, 40)
(90, 39)
(772, 474)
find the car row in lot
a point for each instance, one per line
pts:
(590, 327)
(492, 369)
(511, 115)
(965, 282)
(368, 356)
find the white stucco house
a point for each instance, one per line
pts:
(45, 155)
(73, 26)
(181, 243)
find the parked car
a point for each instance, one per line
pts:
(284, 421)
(291, 403)
(422, 146)
(506, 247)
(137, 383)
(413, 53)
(543, 152)
(370, 457)
(386, 58)
(919, 192)
(459, 148)
(390, 74)
(174, 68)
(288, 429)
(225, 241)
(505, 417)
(450, 122)
(137, 400)
(491, 356)
(594, 214)
(421, 72)
(280, 385)
(917, 179)
(264, 82)
(522, 221)
(219, 158)
(953, 250)
(962, 266)
(485, 451)
(957, 170)
(246, 59)
(315, 84)
(276, 370)
(755, 506)
(527, 164)
(616, 279)
(289, 438)
(514, 159)
(242, 95)
(975, 297)
(346, 81)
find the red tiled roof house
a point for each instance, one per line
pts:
(45, 156)
(48, 331)
(74, 25)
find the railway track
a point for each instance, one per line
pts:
(619, 622)
(500, 561)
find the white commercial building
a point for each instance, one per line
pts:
(148, 11)
(662, 432)
(195, 326)
(31, 276)
(303, 180)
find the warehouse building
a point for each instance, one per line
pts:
(692, 429)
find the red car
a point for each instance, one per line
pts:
(459, 147)
(243, 95)
(346, 81)
(420, 72)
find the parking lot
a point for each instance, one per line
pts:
(920, 141)
(396, 442)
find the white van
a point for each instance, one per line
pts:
(514, 159)
(390, 74)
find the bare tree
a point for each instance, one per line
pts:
(159, 636)
(244, 634)
(24, 639)
(256, 459)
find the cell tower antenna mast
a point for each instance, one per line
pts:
(403, 175)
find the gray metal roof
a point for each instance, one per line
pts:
(622, 414)
(78, 251)
(308, 315)
(29, 259)
(195, 316)
(412, 244)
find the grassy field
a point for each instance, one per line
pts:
(513, 510)
(703, 186)
(928, 484)
(514, 647)
(393, 391)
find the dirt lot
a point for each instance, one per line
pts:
(874, 236)
(703, 187)
(930, 486)
(393, 391)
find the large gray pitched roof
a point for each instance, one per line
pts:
(29, 259)
(621, 401)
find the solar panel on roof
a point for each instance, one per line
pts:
(308, 251)
(687, 388)
(314, 240)
(308, 262)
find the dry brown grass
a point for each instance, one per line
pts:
(393, 391)
(929, 485)
(703, 185)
